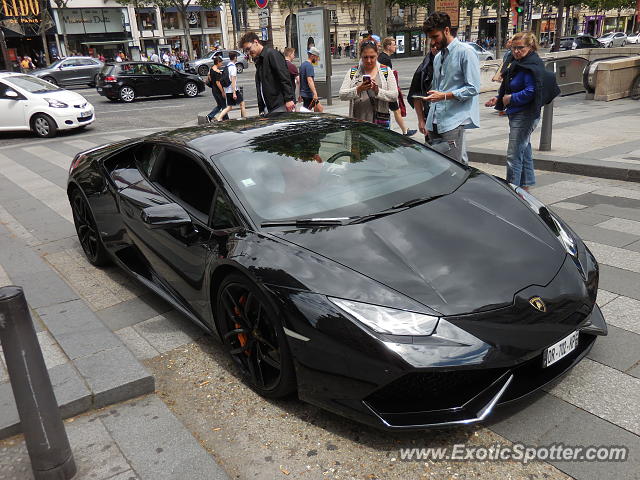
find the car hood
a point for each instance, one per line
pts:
(66, 96)
(468, 251)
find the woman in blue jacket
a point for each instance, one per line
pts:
(522, 96)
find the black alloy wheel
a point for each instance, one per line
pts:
(87, 230)
(254, 337)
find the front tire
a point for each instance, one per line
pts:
(254, 337)
(191, 89)
(127, 94)
(50, 80)
(43, 126)
(87, 230)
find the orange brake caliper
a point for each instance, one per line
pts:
(242, 337)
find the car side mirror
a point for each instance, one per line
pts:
(165, 216)
(11, 94)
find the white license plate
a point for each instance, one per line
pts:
(85, 114)
(99, 89)
(560, 350)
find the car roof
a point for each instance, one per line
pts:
(5, 74)
(212, 139)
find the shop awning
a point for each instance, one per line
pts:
(193, 8)
(106, 42)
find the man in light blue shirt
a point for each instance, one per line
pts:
(455, 87)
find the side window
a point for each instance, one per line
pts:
(146, 157)
(223, 216)
(184, 178)
(85, 62)
(160, 70)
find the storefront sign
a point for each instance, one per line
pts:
(21, 11)
(92, 20)
(452, 7)
(311, 33)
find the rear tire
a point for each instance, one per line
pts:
(87, 230)
(203, 70)
(127, 94)
(43, 125)
(239, 67)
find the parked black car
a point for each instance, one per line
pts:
(579, 41)
(128, 80)
(71, 71)
(376, 277)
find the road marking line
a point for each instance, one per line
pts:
(40, 188)
(49, 155)
(17, 228)
(81, 144)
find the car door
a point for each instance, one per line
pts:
(163, 80)
(86, 69)
(176, 181)
(138, 77)
(12, 108)
(66, 74)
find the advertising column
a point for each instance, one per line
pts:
(313, 31)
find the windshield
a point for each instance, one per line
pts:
(341, 172)
(32, 84)
(607, 35)
(56, 63)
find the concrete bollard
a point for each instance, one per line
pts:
(44, 433)
(547, 128)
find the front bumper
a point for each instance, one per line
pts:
(457, 375)
(70, 118)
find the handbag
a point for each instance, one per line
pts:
(316, 106)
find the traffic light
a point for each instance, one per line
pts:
(520, 6)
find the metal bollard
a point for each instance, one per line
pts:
(44, 433)
(547, 128)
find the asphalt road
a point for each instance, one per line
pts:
(171, 112)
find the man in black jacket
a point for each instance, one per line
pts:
(273, 84)
(420, 86)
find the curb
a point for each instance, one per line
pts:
(586, 166)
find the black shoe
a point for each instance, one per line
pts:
(410, 133)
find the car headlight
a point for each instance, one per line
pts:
(56, 103)
(387, 320)
(557, 226)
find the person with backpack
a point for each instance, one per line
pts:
(213, 80)
(526, 87)
(232, 92)
(369, 87)
(273, 83)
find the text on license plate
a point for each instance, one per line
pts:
(560, 350)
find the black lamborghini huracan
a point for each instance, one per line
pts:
(372, 275)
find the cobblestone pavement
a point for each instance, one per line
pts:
(596, 404)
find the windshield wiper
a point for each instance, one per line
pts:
(306, 222)
(416, 201)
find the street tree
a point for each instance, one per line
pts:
(44, 25)
(61, 5)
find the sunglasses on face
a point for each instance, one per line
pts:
(518, 48)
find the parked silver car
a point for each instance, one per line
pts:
(613, 39)
(71, 71)
(202, 65)
(481, 52)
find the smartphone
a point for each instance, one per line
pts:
(366, 78)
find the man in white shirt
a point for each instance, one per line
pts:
(234, 94)
(165, 58)
(154, 57)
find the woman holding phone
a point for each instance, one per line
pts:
(369, 87)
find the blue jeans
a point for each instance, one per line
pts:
(519, 156)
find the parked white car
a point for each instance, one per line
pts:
(29, 103)
(613, 39)
(481, 52)
(634, 38)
